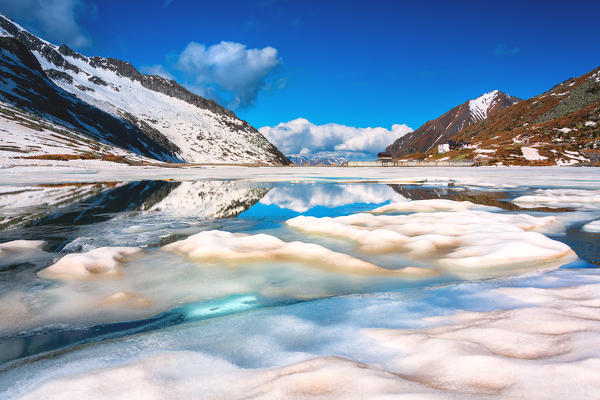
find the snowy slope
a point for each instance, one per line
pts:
(198, 129)
(479, 107)
(24, 137)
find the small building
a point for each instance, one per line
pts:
(443, 148)
(384, 158)
(452, 145)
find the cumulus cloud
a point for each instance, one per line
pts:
(302, 137)
(55, 20)
(228, 68)
(157, 70)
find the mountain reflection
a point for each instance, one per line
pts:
(305, 196)
(58, 213)
(485, 198)
(209, 199)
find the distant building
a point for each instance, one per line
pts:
(452, 145)
(384, 158)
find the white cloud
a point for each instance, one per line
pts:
(300, 136)
(55, 20)
(157, 70)
(229, 68)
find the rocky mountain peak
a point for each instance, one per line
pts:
(445, 127)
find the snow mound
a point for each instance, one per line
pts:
(19, 250)
(98, 262)
(426, 206)
(223, 246)
(559, 198)
(20, 245)
(593, 226)
(468, 240)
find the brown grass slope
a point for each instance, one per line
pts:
(562, 124)
(445, 127)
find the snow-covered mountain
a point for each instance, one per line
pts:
(441, 129)
(146, 114)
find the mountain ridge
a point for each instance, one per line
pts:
(26, 86)
(443, 128)
(561, 125)
(198, 129)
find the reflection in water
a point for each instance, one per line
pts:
(62, 214)
(311, 198)
(209, 199)
(486, 198)
(134, 196)
(20, 205)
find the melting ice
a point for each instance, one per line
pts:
(418, 287)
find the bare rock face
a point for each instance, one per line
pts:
(441, 129)
(187, 127)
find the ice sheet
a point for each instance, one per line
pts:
(520, 338)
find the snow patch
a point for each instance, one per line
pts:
(480, 106)
(532, 154)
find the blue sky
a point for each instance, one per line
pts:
(357, 63)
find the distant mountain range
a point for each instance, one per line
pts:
(317, 159)
(558, 127)
(56, 94)
(441, 129)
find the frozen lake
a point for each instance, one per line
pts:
(231, 282)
